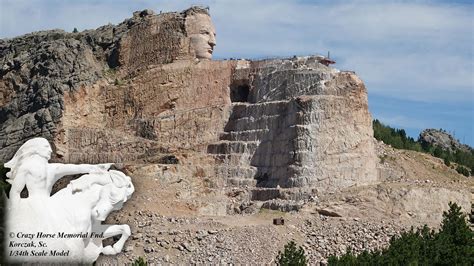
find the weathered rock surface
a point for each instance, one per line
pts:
(369, 217)
(134, 94)
(297, 123)
(443, 139)
(246, 240)
(38, 69)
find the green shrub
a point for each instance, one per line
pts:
(462, 170)
(292, 255)
(447, 162)
(140, 262)
(397, 138)
(452, 245)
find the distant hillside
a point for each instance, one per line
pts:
(435, 142)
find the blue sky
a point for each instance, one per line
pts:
(415, 57)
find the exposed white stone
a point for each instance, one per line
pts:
(65, 227)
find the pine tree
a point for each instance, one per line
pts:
(291, 256)
(452, 245)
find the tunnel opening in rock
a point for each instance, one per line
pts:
(169, 159)
(239, 93)
(262, 180)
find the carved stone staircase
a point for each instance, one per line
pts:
(245, 152)
(248, 127)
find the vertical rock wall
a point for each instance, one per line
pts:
(303, 125)
(155, 40)
(36, 69)
(177, 107)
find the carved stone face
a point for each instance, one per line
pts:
(45, 151)
(202, 34)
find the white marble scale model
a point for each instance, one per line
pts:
(67, 226)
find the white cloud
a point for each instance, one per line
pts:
(422, 77)
(401, 121)
(405, 49)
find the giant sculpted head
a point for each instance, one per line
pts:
(201, 32)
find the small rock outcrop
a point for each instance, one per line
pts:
(442, 139)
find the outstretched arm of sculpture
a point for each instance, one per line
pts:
(73, 169)
(59, 170)
(113, 230)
